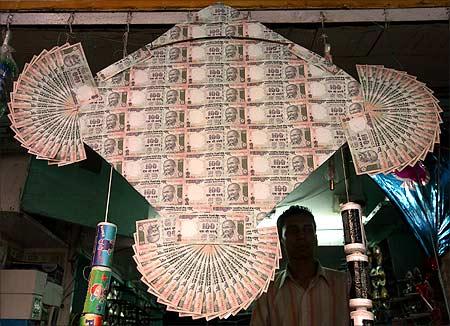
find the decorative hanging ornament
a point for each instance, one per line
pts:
(8, 68)
(413, 175)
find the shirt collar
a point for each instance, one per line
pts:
(321, 273)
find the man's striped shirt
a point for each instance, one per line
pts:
(286, 303)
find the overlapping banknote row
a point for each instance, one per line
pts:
(45, 102)
(399, 125)
(206, 266)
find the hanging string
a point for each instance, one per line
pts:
(109, 193)
(70, 34)
(345, 174)
(125, 35)
(324, 36)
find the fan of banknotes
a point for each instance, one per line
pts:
(206, 266)
(399, 125)
(45, 102)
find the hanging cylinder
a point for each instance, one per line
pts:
(99, 280)
(104, 244)
(358, 266)
(361, 318)
(91, 320)
(354, 236)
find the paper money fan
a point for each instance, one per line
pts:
(400, 123)
(46, 100)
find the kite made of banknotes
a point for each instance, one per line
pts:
(214, 123)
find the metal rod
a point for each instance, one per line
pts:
(264, 16)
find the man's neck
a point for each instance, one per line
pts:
(303, 271)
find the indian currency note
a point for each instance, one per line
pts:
(262, 51)
(215, 93)
(205, 193)
(211, 229)
(77, 73)
(110, 146)
(216, 165)
(125, 63)
(153, 167)
(327, 136)
(216, 73)
(154, 142)
(330, 111)
(121, 79)
(161, 193)
(112, 98)
(147, 75)
(216, 139)
(275, 91)
(101, 123)
(215, 115)
(143, 97)
(270, 190)
(279, 137)
(328, 88)
(259, 114)
(149, 119)
(280, 163)
(364, 144)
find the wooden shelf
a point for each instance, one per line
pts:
(87, 5)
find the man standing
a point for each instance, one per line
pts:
(305, 293)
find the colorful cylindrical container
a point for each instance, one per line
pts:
(104, 244)
(91, 320)
(99, 280)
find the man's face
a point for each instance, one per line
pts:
(230, 115)
(174, 74)
(153, 233)
(290, 72)
(109, 146)
(296, 136)
(170, 142)
(71, 60)
(353, 88)
(292, 112)
(234, 190)
(174, 53)
(172, 96)
(169, 167)
(232, 138)
(298, 163)
(355, 108)
(291, 91)
(175, 33)
(117, 79)
(230, 30)
(230, 51)
(171, 118)
(228, 229)
(231, 74)
(232, 165)
(113, 99)
(231, 95)
(368, 156)
(299, 238)
(168, 193)
(111, 121)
